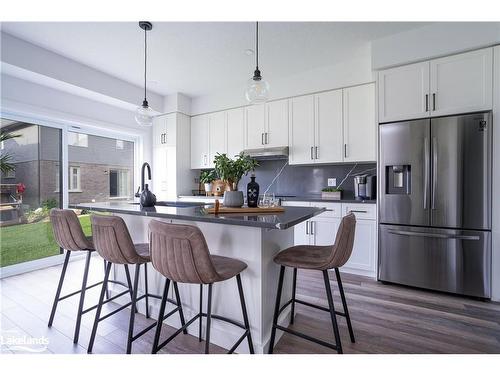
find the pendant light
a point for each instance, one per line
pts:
(257, 90)
(144, 113)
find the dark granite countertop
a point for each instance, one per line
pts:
(291, 217)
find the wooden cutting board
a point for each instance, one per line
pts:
(240, 210)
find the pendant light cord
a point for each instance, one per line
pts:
(145, 61)
(257, 45)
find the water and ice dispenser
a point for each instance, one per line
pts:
(398, 179)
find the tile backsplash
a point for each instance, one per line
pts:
(304, 180)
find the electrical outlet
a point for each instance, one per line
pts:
(332, 182)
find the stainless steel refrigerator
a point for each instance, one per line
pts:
(435, 203)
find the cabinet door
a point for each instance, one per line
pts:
(363, 252)
(301, 233)
(160, 166)
(462, 83)
(324, 231)
(235, 131)
(302, 130)
(359, 123)
(404, 93)
(199, 142)
(328, 134)
(255, 126)
(276, 134)
(216, 136)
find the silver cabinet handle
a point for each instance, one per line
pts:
(204, 159)
(434, 235)
(434, 172)
(426, 170)
(266, 138)
(433, 101)
(426, 102)
(359, 211)
(307, 227)
(313, 228)
(262, 138)
(345, 150)
(316, 152)
(312, 148)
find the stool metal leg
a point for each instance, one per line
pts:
(161, 313)
(201, 310)
(332, 312)
(129, 282)
(344, 304)
(146, 293)
(59, 288)
(107, 290)
(209, 319)
(294, 287)
(276, 309)
(82, 297)
(179, 305)
(133, 308)
(99, 307)
(245, 315)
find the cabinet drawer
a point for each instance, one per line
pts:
(361, 210)
(295, 204)
(332, 209)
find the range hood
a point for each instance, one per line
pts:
(270, 153)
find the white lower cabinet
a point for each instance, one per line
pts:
(321, 230)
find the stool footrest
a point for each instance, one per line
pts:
(318, 307)
(306, 337)
(115, 311)
(137, 335)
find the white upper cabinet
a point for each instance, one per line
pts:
(301, 130)
(328, 129)
(359, 123)
(164, 128)
(462, 83)
(404, 92)
(276, 133)
(216, 136)
(235, 131)
(255, 125)
(450, 85)
(199, 142)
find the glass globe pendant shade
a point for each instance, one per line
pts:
(257, 91)
(144, 115)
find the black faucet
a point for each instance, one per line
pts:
(141, 188)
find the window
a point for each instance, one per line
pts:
(119, 183)
(74, 179)
(78, 139)
(10, 174)
(120, 145)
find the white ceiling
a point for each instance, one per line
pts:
(199, 58)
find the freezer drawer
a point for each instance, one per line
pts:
(454, 261)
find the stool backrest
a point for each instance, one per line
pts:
(180, 253)
(68, 232)
(112, 240)
(342, 248)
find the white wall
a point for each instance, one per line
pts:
(496, 178)
(435, 40)
(350, 72)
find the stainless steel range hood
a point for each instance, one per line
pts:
(271, 153)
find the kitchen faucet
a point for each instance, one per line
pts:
(143, 169)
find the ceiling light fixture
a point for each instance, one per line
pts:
(257, 90)
(144, 113)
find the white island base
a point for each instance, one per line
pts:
(253, 245)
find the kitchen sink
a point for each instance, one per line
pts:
(176, 204)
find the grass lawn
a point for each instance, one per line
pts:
(20, 243)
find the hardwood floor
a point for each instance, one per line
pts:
(386, 318)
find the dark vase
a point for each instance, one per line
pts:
(252, 193)
(148, 199)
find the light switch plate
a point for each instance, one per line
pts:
(332, 182)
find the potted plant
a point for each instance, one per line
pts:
(206, 178)
(230, 171)
(331, 193)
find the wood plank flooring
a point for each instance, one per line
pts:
(386, 318)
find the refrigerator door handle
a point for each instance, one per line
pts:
(426, 170)
(434, 235)
(434, 172)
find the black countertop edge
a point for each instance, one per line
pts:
(306, 198)
(208, 218)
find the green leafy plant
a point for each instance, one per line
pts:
(208, 176)
(5, 157)
(331, 190)
(231, 171)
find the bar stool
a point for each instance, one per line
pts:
(321, 258)
(180, 253)
(69, 235)
(113, 242)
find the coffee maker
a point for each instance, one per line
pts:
(365, 187)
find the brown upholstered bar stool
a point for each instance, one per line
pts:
(113, 242)
(69, 235)
(180, 253)
(321, 258)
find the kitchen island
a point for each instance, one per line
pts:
(252, 238)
